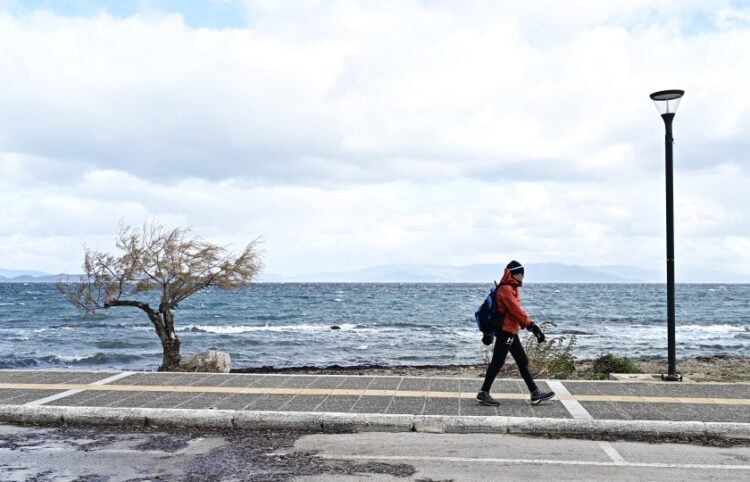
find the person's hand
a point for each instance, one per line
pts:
(487, 339)
(538, 333)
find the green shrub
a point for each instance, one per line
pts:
(553, 358)
(610, 363)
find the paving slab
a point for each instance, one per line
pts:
(33, 395)
(443, 385)
(273, 381)
(85, 377)
(665, 389)
(407, 405)
(669, 412)
(236, 401)
(204, 401)
(348, 402)
(79, 399)
(338, 404)
(356, 382)
(270, 402)
(242, 381)
(441, 406)
(172, 400)
(550, 409)
(155, 379)
(414, 384)
(304, 403)
(299, 381)
(389, 383)
(367, 404)
(327, 382)
(12, 376)
(470, 408)
(215, 380)
(137, 400)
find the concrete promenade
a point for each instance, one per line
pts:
(346, 403)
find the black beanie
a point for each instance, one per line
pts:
(515, 267)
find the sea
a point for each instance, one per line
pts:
(349, 324)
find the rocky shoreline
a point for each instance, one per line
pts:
(714, 368)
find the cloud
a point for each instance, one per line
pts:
(295, 98)
(308, 229)
(356, 133)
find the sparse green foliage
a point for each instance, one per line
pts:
(609, 363)
(553, 358)
(170, 262)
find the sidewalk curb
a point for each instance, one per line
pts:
(351, 422)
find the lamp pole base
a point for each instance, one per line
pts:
(672, 378)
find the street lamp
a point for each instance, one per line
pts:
(666, 102)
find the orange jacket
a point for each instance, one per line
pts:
(509, 302)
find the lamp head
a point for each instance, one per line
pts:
(667, 100)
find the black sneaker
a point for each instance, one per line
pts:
(485, 399)
(539, 396)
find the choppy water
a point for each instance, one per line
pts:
(285, 325)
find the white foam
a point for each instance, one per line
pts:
(70, 358)
(723, 328)
(308, 328)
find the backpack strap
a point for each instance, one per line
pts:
(494, 298)
(495, 308)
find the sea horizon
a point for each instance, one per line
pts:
(387, 324)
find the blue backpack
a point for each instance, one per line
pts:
(488, 319)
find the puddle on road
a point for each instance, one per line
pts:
(92, 454)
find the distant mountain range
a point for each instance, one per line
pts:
(474, 273)
(478, 273)
(483, 273)
(25, 276)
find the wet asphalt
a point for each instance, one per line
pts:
(94, 454)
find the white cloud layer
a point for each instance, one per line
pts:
(354, 133)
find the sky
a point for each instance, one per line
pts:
(347, 134)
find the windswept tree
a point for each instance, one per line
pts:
(155, 260)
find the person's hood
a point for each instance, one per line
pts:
(508, 279)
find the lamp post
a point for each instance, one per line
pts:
(666, 102)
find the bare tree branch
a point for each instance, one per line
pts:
(169, 261)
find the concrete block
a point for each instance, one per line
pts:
(728, 430)
(295, 421)
(349, 422)
(189, 418)
(29, 414)
(649, 428)
(533, 425)
(102, 416)
(470, 424)
(431, 423)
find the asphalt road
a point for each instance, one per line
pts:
(108, 454)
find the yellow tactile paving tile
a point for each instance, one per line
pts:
(380, 393)
(359, 392)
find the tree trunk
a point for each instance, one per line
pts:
(171, 358)
(163, 322)
(169, 342)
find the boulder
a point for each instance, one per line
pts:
(211, 361)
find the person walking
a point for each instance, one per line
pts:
(508, 305)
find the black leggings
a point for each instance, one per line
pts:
(505, 342)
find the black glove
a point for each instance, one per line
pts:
(487, 339)
(538, 333)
